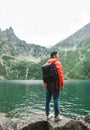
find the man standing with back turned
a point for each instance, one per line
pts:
(53, 88)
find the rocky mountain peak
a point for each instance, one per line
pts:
(75, 40)
(9, 31)
(11, 35)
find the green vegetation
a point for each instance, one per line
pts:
(76, 65)
(10, 68)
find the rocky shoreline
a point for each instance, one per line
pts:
(39, 122)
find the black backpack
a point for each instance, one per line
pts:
(49, 73)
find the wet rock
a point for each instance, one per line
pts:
(87, 118)
(74, 125)
(6, 123)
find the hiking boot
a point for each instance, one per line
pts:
(49, 116)
(58, 118)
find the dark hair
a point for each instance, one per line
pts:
(53, 53)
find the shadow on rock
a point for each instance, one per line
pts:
(73, 125)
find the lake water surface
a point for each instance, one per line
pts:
(23, 98)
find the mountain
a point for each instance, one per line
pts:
(19, 60)
(74, 53)
(11, 45)
(76, 40)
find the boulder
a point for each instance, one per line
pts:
(39, 122)
(87, 118)
(57, 125)
(32, 123)
(41, 125)
(73, 125)
(6, 123)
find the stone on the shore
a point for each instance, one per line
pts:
(74, 125)
(87, 118)
(32, 123)
(40, 125)
(6, 123)
(57, 125)
(39, 122)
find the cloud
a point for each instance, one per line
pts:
(44, 22)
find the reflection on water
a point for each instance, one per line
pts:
(23, 98)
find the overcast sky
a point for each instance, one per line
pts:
(44, 22)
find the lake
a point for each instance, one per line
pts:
(23, 98)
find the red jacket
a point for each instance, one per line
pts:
(60, 82)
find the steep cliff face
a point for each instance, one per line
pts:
(10, 44)
(76, 40)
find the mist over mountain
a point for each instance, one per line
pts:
(19, 60)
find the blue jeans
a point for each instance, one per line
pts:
(52, 91)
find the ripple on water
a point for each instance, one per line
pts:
(23, 98)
